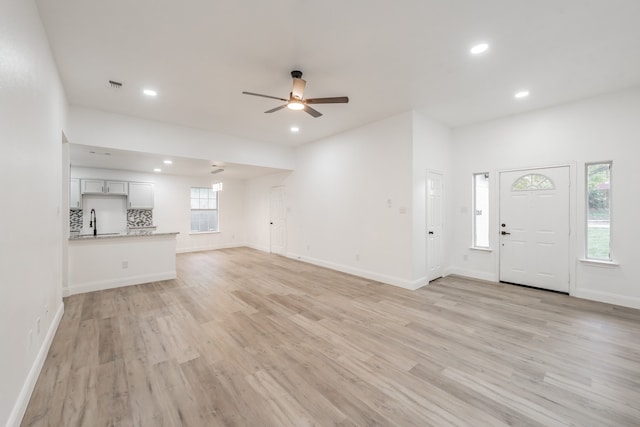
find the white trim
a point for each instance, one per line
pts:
(606, 297)
(258, 247)
(599, 263)
(20, 407)
(101, 285)
(479, 249)
(389, 280)
(209, 247)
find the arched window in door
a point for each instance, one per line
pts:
(533, 181)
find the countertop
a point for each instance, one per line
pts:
(136, 233)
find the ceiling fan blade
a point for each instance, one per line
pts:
(334, 100)
(314, 113)
(298, 88)
(265, 96)
(273, 110)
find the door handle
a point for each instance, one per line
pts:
(504, 233)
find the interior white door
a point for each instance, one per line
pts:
(277, 220)
(434, 225)
(534, 228)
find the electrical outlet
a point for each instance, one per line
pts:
(125, 264)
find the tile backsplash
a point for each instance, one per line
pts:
(139, 217)
(75, 219)
(135, 218)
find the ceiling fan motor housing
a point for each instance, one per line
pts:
(296, 74)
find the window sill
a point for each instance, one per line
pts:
(195, 233)
(474, 248)
(599, 263)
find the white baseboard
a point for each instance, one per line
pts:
(20, 407)
(473, 274)
(209, 247)
(258, 247)
(118, 283)
(390, 280)
(608, 298)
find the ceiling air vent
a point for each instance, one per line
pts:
(114, 84)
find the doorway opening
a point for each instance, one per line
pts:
(277, 221)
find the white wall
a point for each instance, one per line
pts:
(172, 206)
(602, 128)
(349, 202)
(98, 128)
(32, 116)
(356, 201)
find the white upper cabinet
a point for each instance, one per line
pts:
(117, 187)
(92, 186)
(99, 186)
(140, 195)
(75, 198)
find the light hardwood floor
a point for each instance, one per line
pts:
(244, 338)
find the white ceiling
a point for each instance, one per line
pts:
(101, 158)
(388, 57)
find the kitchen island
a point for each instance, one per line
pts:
(113, 260)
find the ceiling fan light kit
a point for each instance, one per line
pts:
(296, 99)
(295, 105)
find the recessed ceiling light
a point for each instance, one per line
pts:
(168, 162)
(521, 94)
(157, 170)
(294, 129)
(479, 48)
(150, 92)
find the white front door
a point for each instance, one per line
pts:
(534, 228)
(434, 225)
(277, 221)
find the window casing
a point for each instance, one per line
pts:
(204, 210)
(598, 211)
(481, 210)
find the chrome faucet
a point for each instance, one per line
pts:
(93, 222)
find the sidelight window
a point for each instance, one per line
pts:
(481, 210)
(598, 210)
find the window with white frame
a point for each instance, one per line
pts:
(481, 210)
(598, 210)
(204, 210)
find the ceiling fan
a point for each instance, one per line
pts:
(296, 100)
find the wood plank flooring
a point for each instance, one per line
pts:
(244, 338)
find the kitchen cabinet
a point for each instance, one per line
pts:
(117, 188)
(75, 198)
(99, 186)
(92, 186)
(140, 195)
